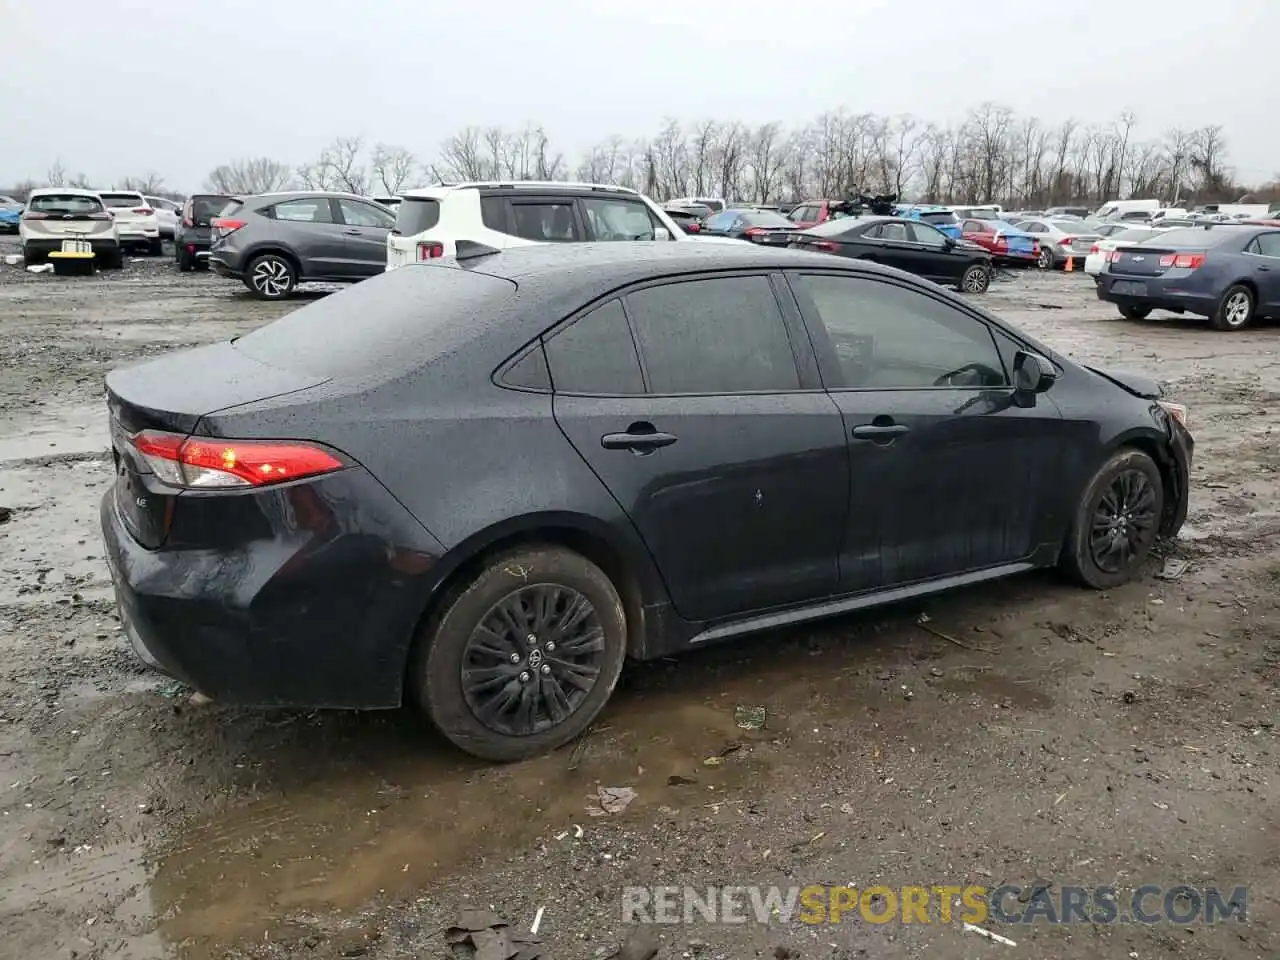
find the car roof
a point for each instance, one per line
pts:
(118, 193)
(436, 191)
(66, 191)
(281, 195)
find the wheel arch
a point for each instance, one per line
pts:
(279, 250)
(626, 564)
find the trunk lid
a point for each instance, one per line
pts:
(127, 207)
(172, 394)
(1140, 261)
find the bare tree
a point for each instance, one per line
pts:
(393, 166)
(462, 155)
(701, 153)
(671, 160)
(766, 160)
(56, 175)
(149, 183)
(1208, 148)
(248, 176)
(1178, 146)
(343, 167)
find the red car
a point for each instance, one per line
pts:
(810, 213)
(1001, 240)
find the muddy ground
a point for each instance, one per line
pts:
(1058, 735)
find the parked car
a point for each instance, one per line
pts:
(1057, 213)
(168, 214)
(274, 241)
(10, 214)
(745, 224)
(1113, 227)
(136, 223)
(55, 214)
(1100, 253)
(520, 468)
(986, 211)
(1229, 273)
(687, 219)
(432, 221)
(810, 213)
(714, 204)
(1006, 243)
(1062, 242)
(389, 202)
(194, 236)
(909, 245)
(939, 217)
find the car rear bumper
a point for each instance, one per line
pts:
(315, 605)
(129, 233)
(1157, 294)
(46, 245)
(223, 268)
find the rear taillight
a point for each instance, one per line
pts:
(1094, 248)
(430, 251)
(226, 224)
(188, 222)
(209, 463)
(694, 228)
(1066, 241)
(1113, 256)
(1184, 261)
(754, 232)
(35, 215)
(827, 245)
(145, 211)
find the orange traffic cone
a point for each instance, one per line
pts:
(1070, 264)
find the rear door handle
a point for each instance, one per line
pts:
(1263, 269)
(878, 434)
(638, 438)
(353, 233)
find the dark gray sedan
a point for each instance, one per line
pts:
(274, 241)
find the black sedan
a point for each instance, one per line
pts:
(745, 223)
(519, 469)
(906, 244)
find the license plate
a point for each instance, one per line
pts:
(1129, 288)
(77, 246)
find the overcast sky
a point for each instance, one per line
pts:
(118, 88)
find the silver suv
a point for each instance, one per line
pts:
(274, 241)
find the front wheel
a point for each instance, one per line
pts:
(1235, 312)
(976, 279)
(1117, 521)
(271, 277)
(523, 658)
(1135, 311)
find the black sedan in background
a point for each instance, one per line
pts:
(745, 223)
(520, 468)
(896, 242)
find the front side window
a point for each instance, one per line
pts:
(718, 335)
(889, 337)
(546, 222)
(596, 355)
(310, 210)
(1269, 244)
(928, 235)
(615, 219)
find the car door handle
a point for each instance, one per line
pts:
(879, 434)
(1263, 268)
(353, 233)
(638, 438)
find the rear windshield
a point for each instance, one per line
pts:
(64, 203)
(407, 318)
(416, 214)
(766, 218)
(944, 216)
(121, 200)
(230, 207)
(206, 208)
(1197, 237)
(1134, 236)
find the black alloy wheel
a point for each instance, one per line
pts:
(976, 279)
(533, 659)
(1117, 521)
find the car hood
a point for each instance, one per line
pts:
(1135, 383)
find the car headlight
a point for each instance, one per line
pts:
(1176, 410)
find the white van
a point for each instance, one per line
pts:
(1115, 209)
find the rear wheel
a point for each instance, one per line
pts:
(186, 262)
(156, 247)
(522, 659)
(112, 259)
(1135, 311)
(1117, 521)
(1045, 260)
(976, 279)
(1235, 311)
(271, 277)
(31, 256)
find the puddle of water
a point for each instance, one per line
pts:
(71, 430)
(410, 817)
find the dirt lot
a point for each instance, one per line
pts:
(1060, 735)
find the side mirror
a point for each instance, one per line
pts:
(661, 233)
(948, 243)
(1032, 373)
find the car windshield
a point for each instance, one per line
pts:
(765, 218)
(121, 200)
(64, 203)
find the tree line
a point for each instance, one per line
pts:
(992, 155)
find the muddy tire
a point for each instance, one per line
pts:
(523, 658)
(271, 277)
(1235, 310)
(1135, 311)
(976, 279)
(1117, 521)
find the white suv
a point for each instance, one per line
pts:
(136, 220)
(56, 214)
(430, 221)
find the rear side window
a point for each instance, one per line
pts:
(415, 215)
(64, 203)
(119, 201)
(611, 219)
(357, 214)
(719, 335)
(493, 213)
(596, 354)
(545, 222)
(309, 210)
